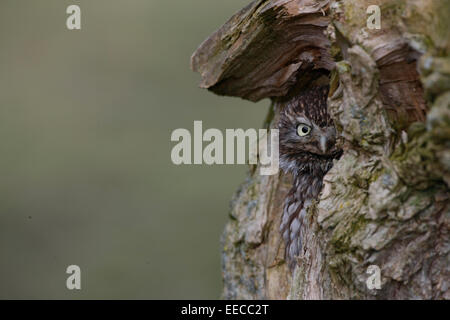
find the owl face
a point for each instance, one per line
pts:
(304, 136)
(307, 133)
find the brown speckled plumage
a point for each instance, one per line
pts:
(308, 158)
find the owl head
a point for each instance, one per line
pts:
(307, 133)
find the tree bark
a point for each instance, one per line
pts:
(386, 201)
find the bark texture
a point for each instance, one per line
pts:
(386, 201)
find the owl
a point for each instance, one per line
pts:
(307, 150)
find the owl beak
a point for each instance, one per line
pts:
(323, 144)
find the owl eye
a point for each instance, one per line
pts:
(303, 130)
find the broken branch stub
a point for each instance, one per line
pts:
(265, 48)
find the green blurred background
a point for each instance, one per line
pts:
(85, 169)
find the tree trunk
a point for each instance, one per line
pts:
(386, 201)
